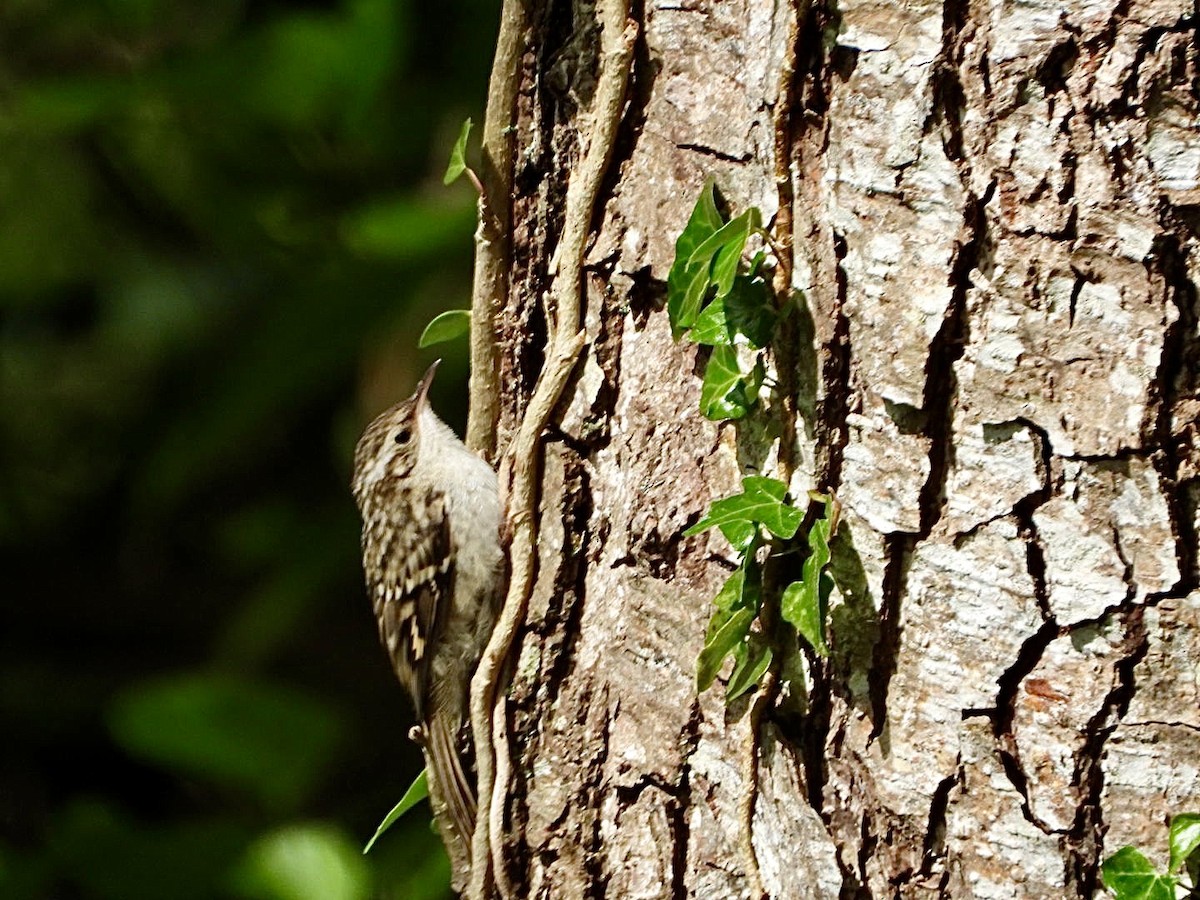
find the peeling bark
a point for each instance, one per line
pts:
(995, 232)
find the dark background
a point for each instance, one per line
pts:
(222, 229)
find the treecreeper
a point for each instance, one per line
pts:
(431, 554)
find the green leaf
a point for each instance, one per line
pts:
(760, 503)
(754, 381)
(805, 609)
(752, 658)
(417, 791)
(696, 288)
(445, 327)
(805, 603)
(745, 311)
(727, 393)
(742, 590)
(739, 534)
(458, 156)
(737, 605)
(704, 222)
(1130, 876)
(756, 263)
(713, 327)
(729, 598)
(1185, 838)
(732, 631)
(688, 282)
(724, 248)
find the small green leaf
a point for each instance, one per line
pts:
(1130, 876)
(417, 791)
(802, 609)
(445, 327)
(696, 288)
(740, 534)
(731, 632)
(713, 327)
(737, 605)
(1185, 838)
(688, 282)
(752, 658)
(705, 221)
(729, 598)
(754, 381)
(745, 311)
(724, 248)
(805, 603)
(458, 156)
(727, 393)
(760, 503)
(756, 263)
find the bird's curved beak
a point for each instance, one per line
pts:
(421, 394)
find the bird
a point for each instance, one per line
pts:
(433, 563)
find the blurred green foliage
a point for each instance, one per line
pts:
(222, 229)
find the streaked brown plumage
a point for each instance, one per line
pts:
(431, 554)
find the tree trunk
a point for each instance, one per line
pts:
(992, 216)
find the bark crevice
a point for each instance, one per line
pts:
(1085, 841)
(1003, 717)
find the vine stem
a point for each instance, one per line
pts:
(781, 244)
(523, 457)
(494, 183)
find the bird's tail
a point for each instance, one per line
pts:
(449, 783)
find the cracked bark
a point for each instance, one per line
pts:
(995, 230)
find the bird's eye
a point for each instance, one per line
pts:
(403, 436)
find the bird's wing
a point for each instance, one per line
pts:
(412, 599)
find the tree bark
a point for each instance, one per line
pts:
(991, 209)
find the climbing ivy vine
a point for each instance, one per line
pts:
(720, 299)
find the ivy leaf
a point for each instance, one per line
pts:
(695, 286)
(760, 503)
(445, 327)
(740, 534)
(732, 631)
(1130, 876)
(705, 221)
(752, 383)
(732, 597)
(737, 606)
(746, 310)
(806, 609)
(724, 248)
(805, 603)
(1185, 838)
(688, 281)
(417, 791)
(726, 393)
(756, 263)
(713, 327)
(752, 658)
(458, 156)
